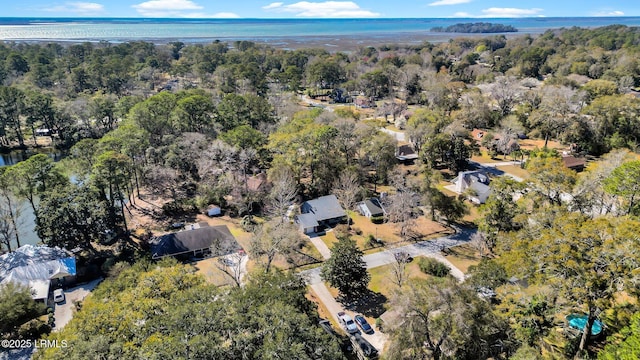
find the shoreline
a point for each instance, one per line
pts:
(338, 42)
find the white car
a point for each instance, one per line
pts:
(58, 295)
(348, 323)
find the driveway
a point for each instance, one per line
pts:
(492, 168)
(64, 312)
(399, 136)
(323, 249)
(431, 248)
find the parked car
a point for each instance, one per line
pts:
(348, 323)
(363, 348)
(58, 296)
(363, 324)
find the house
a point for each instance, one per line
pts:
(371, 208)
(323, 211)
(574, 163)
(201, 241)
(307, 223)
(405, 154)
(36, 267)
(476, 183)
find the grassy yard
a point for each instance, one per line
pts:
(208, 268)
(484, 158)
(389, 233)
(515, 170)
(381, 278)
(463, 256)
(329, 239)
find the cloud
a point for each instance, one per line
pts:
(201, 15)
(167, 8)
(609, 13)
(449, 2)
(274, 5)
(81, 8)
(510, 12)
(502, 13)
(327, 9)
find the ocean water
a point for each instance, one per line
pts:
(267, 30)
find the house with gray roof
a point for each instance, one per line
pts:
(371, 207)
(475, 184)
(323, 211)
(204, 241)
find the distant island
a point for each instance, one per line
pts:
(475, 28)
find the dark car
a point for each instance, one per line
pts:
(363, 347)
(363, 324)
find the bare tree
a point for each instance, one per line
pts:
(233, 266)
(398, 270)
(229, 261)
(347, 188)
(402, 209)
(482, 243)
(272, 239)
(505, 92)
(283, 192)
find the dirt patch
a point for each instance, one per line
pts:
(530, 144)
(212, 274)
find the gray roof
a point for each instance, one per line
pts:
(307, 220)
(482, 190)
(374, 206)
(324, 208)
(197, 239)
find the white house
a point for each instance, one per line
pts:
(477, 181)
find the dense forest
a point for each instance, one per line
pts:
(476, 28)
(192, 122)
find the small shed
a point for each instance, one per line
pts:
(371, 207)
(214, 210)
(574, 163)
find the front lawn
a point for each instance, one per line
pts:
(462, 257)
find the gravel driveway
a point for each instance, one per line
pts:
(64, 311)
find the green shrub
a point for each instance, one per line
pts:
(377, 219)
(33, 329)
(433, 267)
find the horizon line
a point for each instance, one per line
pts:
(313, 18)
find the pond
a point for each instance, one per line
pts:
(26, 220)
(15, 156)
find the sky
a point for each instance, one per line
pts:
(320, 9)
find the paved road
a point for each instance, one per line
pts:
(431, 248)
(64, 312)
(492, 168)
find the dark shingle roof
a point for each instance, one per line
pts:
(197, 239)
(324, 208)
(307, 220)
(374, 207)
